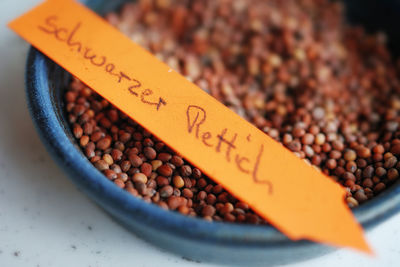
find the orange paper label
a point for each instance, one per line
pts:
(292, 195)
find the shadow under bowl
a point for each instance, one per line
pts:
(192, 238)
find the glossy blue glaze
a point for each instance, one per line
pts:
(190, 237)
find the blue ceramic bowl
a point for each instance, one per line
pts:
(189, 237)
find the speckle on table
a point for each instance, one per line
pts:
(191, 260)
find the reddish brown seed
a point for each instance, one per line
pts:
(294, 146)
(379, 187)
(338, 145)
(360, 196)
(161, 181)
(211, 199)
(349, 176)
(139, 178)
(84, 140)
(183, 210)
(392, 174)
(331, 164)
(326, 147)
(298, 132)
(79, 110)
(174, 202)
(156, 164)
(201, 183)
(368, 183)
(119, 145)
(350, 184)
(307, 139)
(70, 96)
(135, 160)
(320, 139)
(196, 173)
(116, 154)
(146, 169)
(178, 181)
(164, 157)
(123, 176)
(155, 198)
(125, 165)
(208, 210)
(141, 188)
(96, 136)
(350, 155)
(137, 136)
(77, 130)
(119, 183)
(252, 218)
(227, 208)
(376, 180)
(287, 138)
(316, 160)
(101, 165)
(368, 172)
(217, 189)
(150, 153)
(352, 202)
(242, 205)
(88, 128)
(229, 217)
(363, 152)
(164, 170)
(188, 183)
(223, 197)
(166, 191)
(151, 183)
(334, 154)
(380, 172)
(351, 166)
(116, 168)
(95, 159)
(110, 174)
(124, 137)
(106, 123)
(177, 161)
(107, 158)
(201, 195)
(187, 193)
(186, 170)
(148, 142)
(378, 149)
(361, 163)
(177, 192)
(339, 171)
(395, 149)
(390, 162)
(387, 155)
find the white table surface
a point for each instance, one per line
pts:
(45, 221)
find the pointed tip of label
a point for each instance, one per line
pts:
(365, 248)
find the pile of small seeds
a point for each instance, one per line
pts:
(327, 91)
